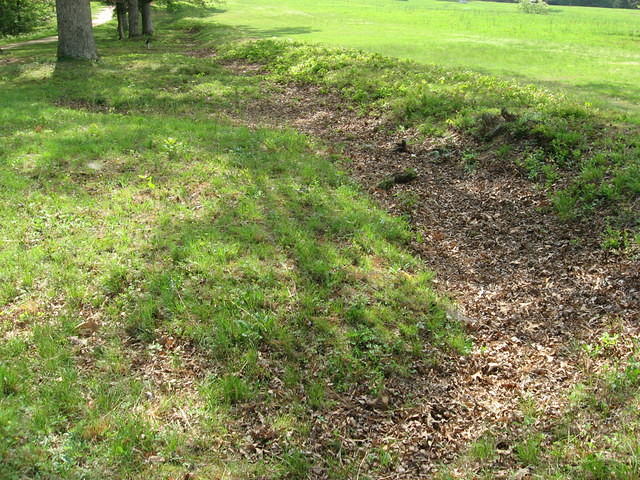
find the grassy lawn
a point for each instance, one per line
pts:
(181, 293)
(177, 291)
(590, 52)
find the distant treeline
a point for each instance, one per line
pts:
(18, 16)
(597, 3)
(588, 3)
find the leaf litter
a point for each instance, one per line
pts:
(528, 286)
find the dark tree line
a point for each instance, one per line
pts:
(19, 16)
(588, 3)
(129, 14)
(75, 31)
(597, 3)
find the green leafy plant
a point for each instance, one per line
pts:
(172, 147)
(537, 7)
(528, 451)
(484, 449)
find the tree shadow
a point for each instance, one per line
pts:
(253, 32)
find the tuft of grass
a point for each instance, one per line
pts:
(483, 449)
(316, 395)
(528, 450)
(295, 465)
(228, 390)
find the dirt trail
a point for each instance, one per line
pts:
(529, 286)
(103, 16)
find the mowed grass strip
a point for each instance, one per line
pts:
(164, 275)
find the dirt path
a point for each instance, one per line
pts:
(530, 287)
(103, 16)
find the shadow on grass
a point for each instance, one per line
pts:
(616, 97)
(245, 31)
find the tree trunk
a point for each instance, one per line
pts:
(147, 21)
(121, 12)
(75, 33)
(134, 28)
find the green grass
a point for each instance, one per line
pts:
(589, 52)
(484, 449)
(589, 167)
(176, 286)
(171, 282)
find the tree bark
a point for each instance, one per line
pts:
(121, 12)
(134, 28)
(147, 21)
(75, 33)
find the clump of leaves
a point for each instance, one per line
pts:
(402, 177)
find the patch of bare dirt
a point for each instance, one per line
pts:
(529, 286)
(9, 60)
(88, 106)
(169, 365)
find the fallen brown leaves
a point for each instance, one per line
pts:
(529, 286)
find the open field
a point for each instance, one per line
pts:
(589, 52)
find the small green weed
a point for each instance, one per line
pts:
(470, 162)
(9, 381)
(295, 465)
(529, 409)
(227, 390)
(597, 467)
(528, 450)
(605, 343)
(316, 395)
(617, 240)
(172, 147)
(484, 449)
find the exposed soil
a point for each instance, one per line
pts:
(529, 286)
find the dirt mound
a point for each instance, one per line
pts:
(529, 286)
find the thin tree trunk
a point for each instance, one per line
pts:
(147, 21)
(121, 12)
(134, 28)
(75, 33)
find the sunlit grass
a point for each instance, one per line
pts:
(588, 52)
(164, 274)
